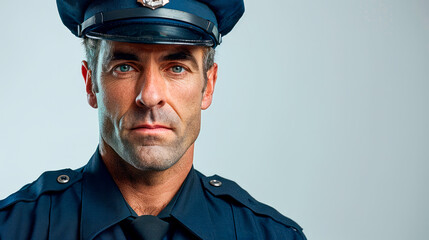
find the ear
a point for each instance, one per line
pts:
(87, 76)
(208, 92)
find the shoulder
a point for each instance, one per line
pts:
(35, 199)
(250, 212)
(27, 212)
(50, 182)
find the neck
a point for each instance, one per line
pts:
(147, 192)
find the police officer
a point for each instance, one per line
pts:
(149, 72)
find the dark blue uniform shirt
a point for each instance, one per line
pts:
(90, 206)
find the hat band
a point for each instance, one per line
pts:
(165, 13)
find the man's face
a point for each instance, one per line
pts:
(149, 100)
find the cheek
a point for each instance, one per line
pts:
(186, 99)
(114, 100)
(189, 90)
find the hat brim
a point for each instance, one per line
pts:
(151, 32)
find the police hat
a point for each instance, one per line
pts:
(189, 22)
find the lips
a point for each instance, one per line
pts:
(151, 128)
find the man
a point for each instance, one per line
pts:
(149, 72)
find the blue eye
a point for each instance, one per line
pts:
(124, 68)
(177, 69)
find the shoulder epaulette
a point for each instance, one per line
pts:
(51, 181)
(219, 186)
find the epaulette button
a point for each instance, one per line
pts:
(215, 183)
(63, 179)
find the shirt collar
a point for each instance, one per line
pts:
(104, 206)
(102, 203)
(190, 208)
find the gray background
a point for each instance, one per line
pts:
(320, 110)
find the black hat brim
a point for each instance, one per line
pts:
(151, 33)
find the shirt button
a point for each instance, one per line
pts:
(215, 183)
(63, 179)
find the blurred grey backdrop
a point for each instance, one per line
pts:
(321, 110)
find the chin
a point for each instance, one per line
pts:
(144, 165)
(153, 160)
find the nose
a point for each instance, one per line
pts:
(152, 90)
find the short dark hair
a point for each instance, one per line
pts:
(92, 51)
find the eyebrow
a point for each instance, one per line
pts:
(181, 55)
(124, 56)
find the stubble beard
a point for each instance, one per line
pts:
(152, 157)
(150, 153)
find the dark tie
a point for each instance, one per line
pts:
(147, 227)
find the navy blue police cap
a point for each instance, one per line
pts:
(187, 22)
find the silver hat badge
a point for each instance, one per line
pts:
(153, 4)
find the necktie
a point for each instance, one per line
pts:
(147, 227)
